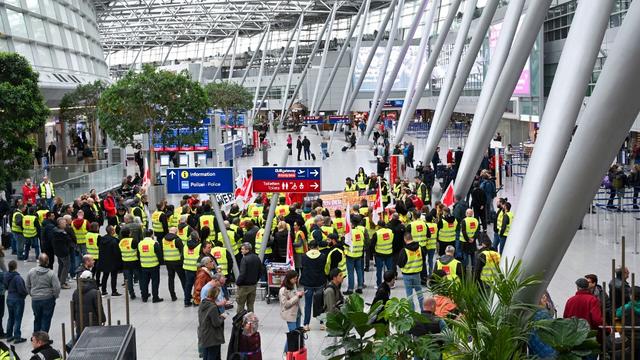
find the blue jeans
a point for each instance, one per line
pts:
(14, 243)
(128, 275)
(468, 258)
(411, 284)
(430, 255)
(49, 203)
(75, 260)
(190, 278)
(496, 241)
(292, 325)
(357, 264)
(42, 314)
(308, 301)
(382, 262)
(29, 242)
(20, 246)
(499, 242)
(16, 309)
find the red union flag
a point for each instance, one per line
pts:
(377, 205)
(290, 252)
(447, 197)
(347, 228)
(244, 194)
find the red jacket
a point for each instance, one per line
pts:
(29, 193)
(109, 206)
(585, 306)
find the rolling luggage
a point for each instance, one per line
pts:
(344, 148)
(297, 355)
(313, 156)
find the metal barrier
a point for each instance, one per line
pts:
(101, 180)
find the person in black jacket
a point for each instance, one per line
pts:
(42, 349)
(434, 325)
(398, 229)
(46, 237)
(250, 272)
(313, 279)
(479, 204)
(250, 233)
(384, 290)
(279, 246)
(61, 246)
(110, 260)
(172, 243)
(16, 293)
(92, 310)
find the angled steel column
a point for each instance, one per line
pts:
(272, 210)
(277, 68)
(285, 93)
(233, 56)
(505, 39)
(253, 57)
(382, 74)
(224, 57)
(167, 56)
(256, 106)
(391, 78)
(439, 124)
(518, 55)
(372, 53)
(354, 54)
(323, 60)
(605, 122)
(334, 69)
(565, 100)
(305, 71)
(425, 75)
(204, 50)
(422, 55)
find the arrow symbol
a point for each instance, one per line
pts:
(315, 186)
(173, 174)
(315, 173)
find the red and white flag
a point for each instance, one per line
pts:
(244, 194)
(146, 177)
(447, 198)
(290, 253)
(347, 227)
(377, 205)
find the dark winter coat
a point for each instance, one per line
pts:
(210, 325)
(110, 259)
(90, 305)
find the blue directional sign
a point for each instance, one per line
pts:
(339, 119)
(313, 120)
(200, 180)
(287, 179)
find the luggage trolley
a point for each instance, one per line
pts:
(275, 275)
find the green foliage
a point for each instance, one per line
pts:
(361, 337)
(496, 324)
(228, 96)
(572, 338)
(152, 101)
(22, 112)
(82, 103)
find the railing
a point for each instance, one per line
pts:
(101, 180)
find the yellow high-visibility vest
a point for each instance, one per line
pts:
(340, 224)
(206, 221)
(29, 226)
(156, 225)
(15, 227)
(419, 232)
(492, 261)
(81, 234)
(191, 256)
(471, 226)
(183, 233)
(433, 230)
(451, 269)
(448, 231)
(299, 242)
(129, 254)
(356, 249)
(220, 254)
(384, 242)
(170, 251)
(174, 219)
(92, 244)
(342, 265)
(414, 262)
(148, 258)
(282, 210)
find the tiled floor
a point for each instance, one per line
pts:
(168, 330)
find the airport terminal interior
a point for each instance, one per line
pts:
(394, 179)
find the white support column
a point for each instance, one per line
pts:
(285, 93)
(272, 210)
(233, 56)
(498, 60)
(323, 61)
(391, 78)
(425, 75)
(438, 123)
(441, 118)
(565, 100)
(422, 55)
(383, 71)
(372, 53)
(224, 57)
(605, 122)
(253, 57)
(204, 49)
(256, 106)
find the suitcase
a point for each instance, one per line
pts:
(313, 156)
(344, 148)
(295, 340)
(297, 355)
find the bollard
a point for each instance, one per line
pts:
(64, 343)
(620, 210)
(597, 221)
(90, 319)
(615, 228)
(613, 301)
(80, 312)
(109, 311)
(126, 302)
(99, 308)
(73, 329)
(635, 231)
(623, 297)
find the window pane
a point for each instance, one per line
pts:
(33, 5)
(69, 37)
(79, 22)
(54, 33)
(74, 61)
(48, 8)
(38, 30)
(24, 49)
(16, 23)
(89, 65)
(61, 59)
(13, 2)
(85, 44)
(82, 66)
(62, 12)
(71, 17)
(44, 56)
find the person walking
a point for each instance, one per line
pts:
(16, 293)
(306, 145)
(313, 278)
(299, 146)
(290, 143)
(172, 248)
(210, 326)
(411, 263)
(110, 260)
(61, 247)
(42, 349)
(52, 153)
(150, 254)
(44, 287)
(91, 310)
(289, 297)
(250, 273)
(503, 224)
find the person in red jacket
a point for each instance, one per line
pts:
(29, 192)
(584, 305)
(109, 204)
